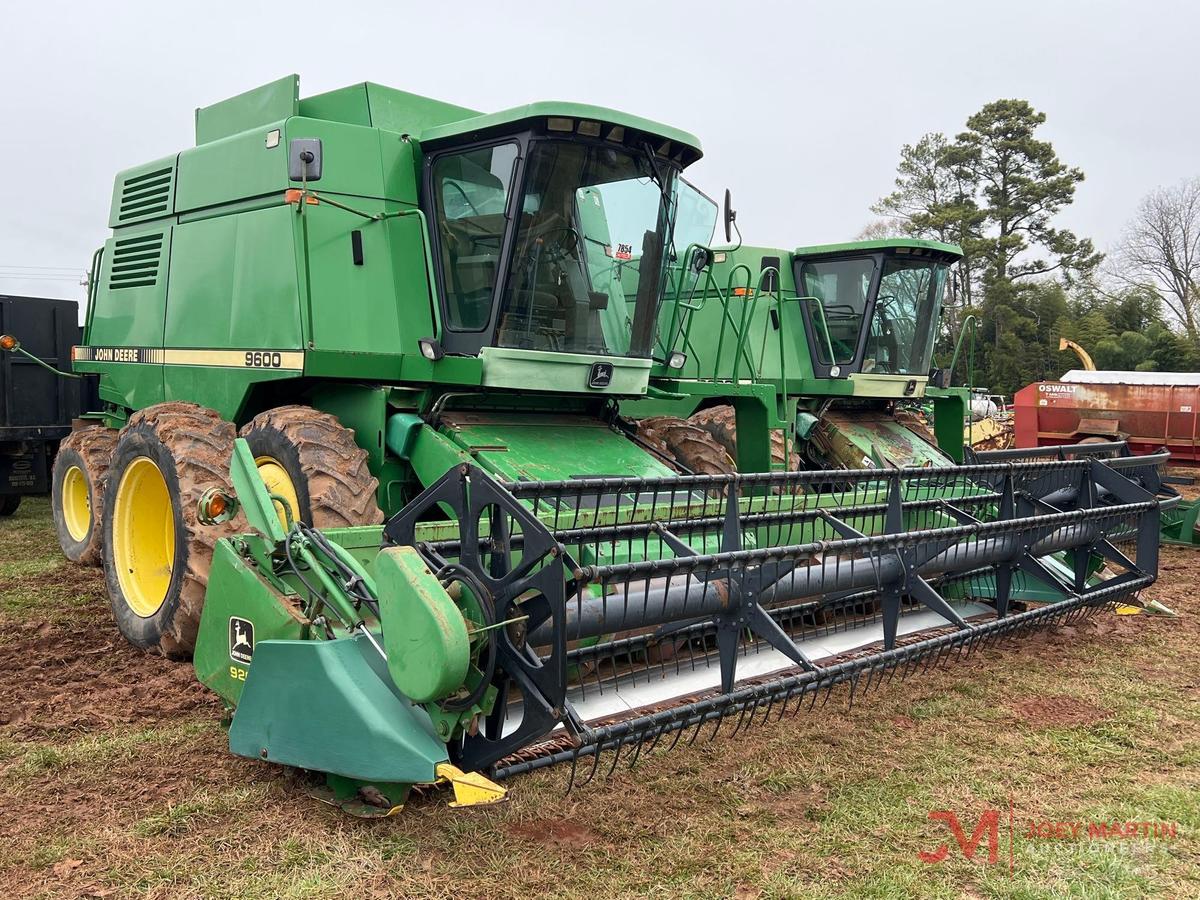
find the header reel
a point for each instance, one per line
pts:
(524, 624)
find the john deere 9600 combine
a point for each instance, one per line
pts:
(364, 457)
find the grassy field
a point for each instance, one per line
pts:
(115, 779)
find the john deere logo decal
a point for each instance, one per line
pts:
(601, 375)
(241, 639)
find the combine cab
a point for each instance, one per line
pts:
(822, 343)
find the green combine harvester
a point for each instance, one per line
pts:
(824, 343)
(370, 364)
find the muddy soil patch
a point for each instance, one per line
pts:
(557, 833)
(79, 674)
(1058, 712)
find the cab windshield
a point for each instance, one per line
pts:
(903, 323)
(586, 257)
(899, 312)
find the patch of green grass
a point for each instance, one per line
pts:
(936, 707)
(41, 759)
(200, 809)
(97, 751)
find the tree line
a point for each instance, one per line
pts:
(996, 190)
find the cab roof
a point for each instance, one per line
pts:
(911, 244)
(579, 118)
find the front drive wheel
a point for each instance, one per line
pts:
(310, 460)
(156, 553)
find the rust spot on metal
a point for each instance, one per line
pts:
(722, 591)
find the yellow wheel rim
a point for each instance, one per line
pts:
(143, 536)
(279, 483)
(76, 507)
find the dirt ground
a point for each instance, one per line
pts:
(116, 780)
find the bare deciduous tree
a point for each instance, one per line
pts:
(1160, 250)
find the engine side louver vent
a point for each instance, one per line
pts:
(146, 195)
(135, 262)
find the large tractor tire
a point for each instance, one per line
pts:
(312, 460)
(721, 423)
(77, 485)
(694, 449)
(9, 504)
(156, 552)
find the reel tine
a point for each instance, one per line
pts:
(637, 750)
(783, 706)
(829, 684)
(696, 733)
(678, 734)
(595, 766)
(717, 727)
(752, 711)
(571, 776)
(616, 758)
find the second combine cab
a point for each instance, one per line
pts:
(824, 342)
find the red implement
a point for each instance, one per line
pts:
(1149, 410)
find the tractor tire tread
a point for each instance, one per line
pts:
(94, 447)
(341, 488)
(721, 423)
(201, 443)
(692, 447)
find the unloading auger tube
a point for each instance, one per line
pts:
(635, 609)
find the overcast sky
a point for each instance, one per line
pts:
(801, 107)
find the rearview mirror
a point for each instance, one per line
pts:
(730, 215)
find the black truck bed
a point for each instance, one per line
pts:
(36, 406)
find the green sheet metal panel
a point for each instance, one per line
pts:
(881, 244)
(352, 164)
(424, 633)
(355, 307)
(348, 104)
(383, 107)
(549, 448)
(234, 288)
(330, 706)
(232, 169)
(406, 113)
(413, 294)
(401, 171)
(237, 595)
(528, 370)
(128, 316)
(266, 103)
(234, 282)
(144, 192)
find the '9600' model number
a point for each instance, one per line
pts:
(264, 359)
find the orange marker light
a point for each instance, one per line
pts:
(8, 342)
(293, 195)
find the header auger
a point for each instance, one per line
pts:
(371, 465)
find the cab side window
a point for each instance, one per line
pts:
(470, 192)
